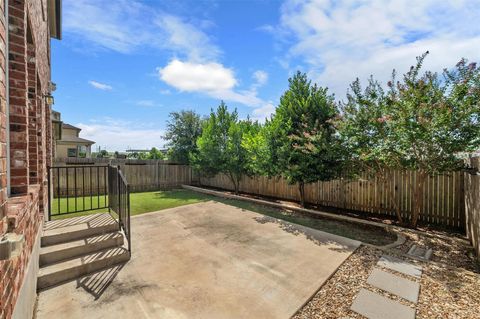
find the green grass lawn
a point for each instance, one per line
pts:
(139, 202)
(154, 201)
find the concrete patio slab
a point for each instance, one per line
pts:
(396, 285)
(374, 306)
(206, 260)
(400, 265)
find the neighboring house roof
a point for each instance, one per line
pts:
(69, 126)
(75, 139)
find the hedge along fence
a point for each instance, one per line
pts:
(443, 201)
(472, 203)
(142, 175)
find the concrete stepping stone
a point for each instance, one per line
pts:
(393, 284)
(374, 306)
(400, 265)
(423, 253)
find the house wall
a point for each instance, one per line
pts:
(69, 132)
(30, 146)
(61, 150)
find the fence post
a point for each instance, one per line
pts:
(109, 189)
(119, 199)
(128, 220)
(49, 193)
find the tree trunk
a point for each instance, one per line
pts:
(383, 178)
(301, 188)
(395, 204)
(236, 184)
(418, 197)
(235, 181)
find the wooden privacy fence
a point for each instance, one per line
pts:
(148, 175)
(443, 199)
(472, 203)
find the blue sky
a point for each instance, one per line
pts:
(123, 66)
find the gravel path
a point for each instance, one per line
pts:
(446, 291)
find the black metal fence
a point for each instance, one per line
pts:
(88, 188)
(77, 189)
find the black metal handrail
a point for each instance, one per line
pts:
(119, 200)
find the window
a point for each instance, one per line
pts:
(72, 152)
(82, 151)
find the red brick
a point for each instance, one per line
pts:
(30, 145)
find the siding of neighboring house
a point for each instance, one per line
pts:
(71, 141)
(28, 127)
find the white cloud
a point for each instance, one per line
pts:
(147, 103)
(263, 112)
(186, 38)
(118, 135)
(212, 79)
(260, 77)
(100, 86)
(197, 77)
(114, 25)
(128, 25)
(337, 41)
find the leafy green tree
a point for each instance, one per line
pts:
(307, 146)
(155, 154)
(433, 120)
(102, 154)
(422, 123)
(366, 135)
(183, 130)
(262, 145)
(220, 148)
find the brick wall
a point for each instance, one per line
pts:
(30, 134)
(3, 123)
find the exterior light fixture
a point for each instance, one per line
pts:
(49, 99)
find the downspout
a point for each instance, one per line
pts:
(7, 90)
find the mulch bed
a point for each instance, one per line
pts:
(449, 250)
(446, 291)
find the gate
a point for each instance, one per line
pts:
(76, 189)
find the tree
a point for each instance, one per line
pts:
(262, 145)
(155, 154)
(308, 149)
(422, 123)
(102, 154)
(220, 147)
(366, 135)
(433, 120)
(183, 130)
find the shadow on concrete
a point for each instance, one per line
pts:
(97, 283)
(336, 243)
